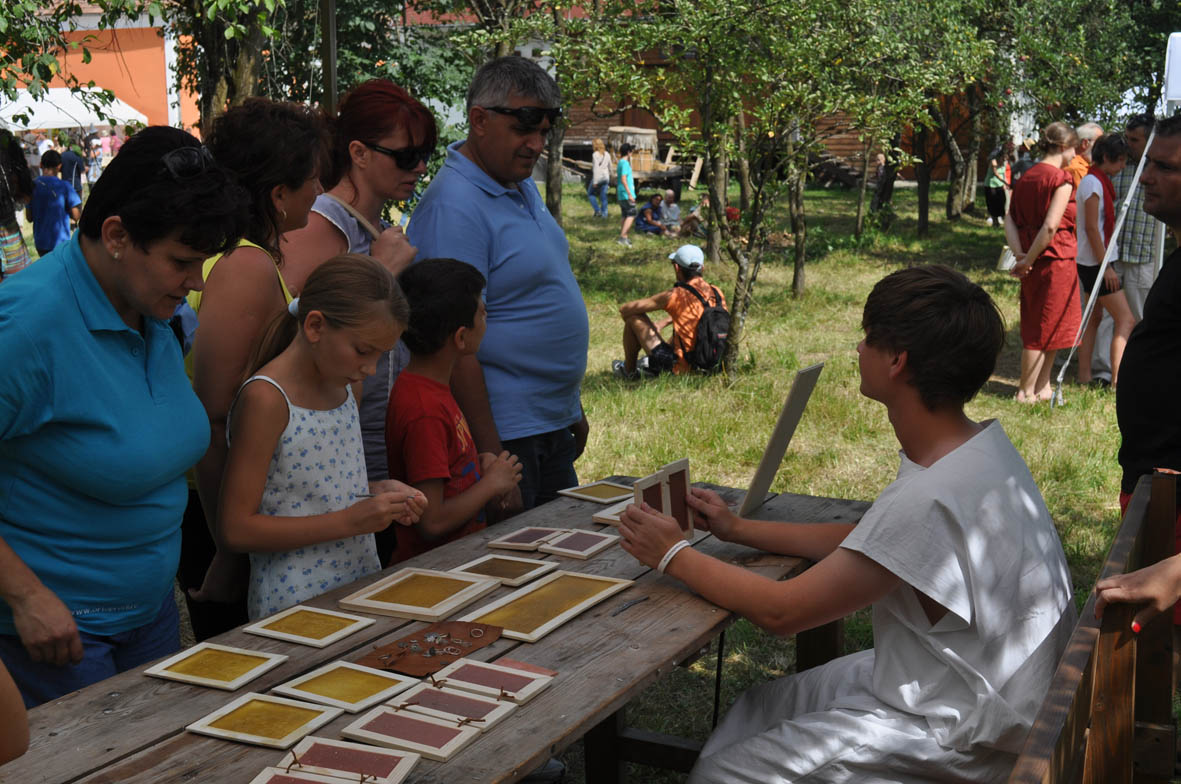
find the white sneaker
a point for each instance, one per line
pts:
(624, 241)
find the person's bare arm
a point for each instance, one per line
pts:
(1157, 587)
(307, 248)
(841, 583)
(471, 393)
(1027, 256)
(813, 541)
(241, 297)
(1094, 236)
(260, 416)
(43, 622)
(75, 214)
(638, 307)
(501, 474)
(14, 740)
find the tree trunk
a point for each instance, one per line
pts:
(717, 200)
(884, 191)
(553, 171)
(795, 206)
(744, 187)
(923, 174)
(859, 226)
(954, 205)
(972, 157)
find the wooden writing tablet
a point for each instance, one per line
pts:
(677, 476)
(454, 705)
(525, 539)
(420, 594)
(601, 492)
(653, 490)
(530, 613)
(400, 729)
(349, 761)
(509, 569)
(264, 720)
(345, 685)
(493, 680)
(578, 544)
(217, 666)
(610, 515)
(309, 626)
(284, 776)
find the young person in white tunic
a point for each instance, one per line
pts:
(958, 556)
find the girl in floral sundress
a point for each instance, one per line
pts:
(295, 487)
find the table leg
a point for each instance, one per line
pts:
(600, 745)
(819, 645)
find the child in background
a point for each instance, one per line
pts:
(296, 468)
(53, 206)
(427, 438)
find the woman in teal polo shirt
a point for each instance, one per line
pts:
(98, 423)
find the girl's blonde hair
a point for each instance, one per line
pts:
(345, 289)
(1056, 137)
(599, 146)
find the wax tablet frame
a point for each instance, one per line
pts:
(204, 726)
(516, 540)
(582, 494)
(282, 776)
(406, 760)
(610, 515)
(365, 600)
(397, 683)
(358, 730)
(498, 709)
(536, 682)
(567, 544)
(261, 627)
(161, 669)
(539, 568)
(610, 587)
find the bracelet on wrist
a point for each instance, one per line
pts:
(669, 554)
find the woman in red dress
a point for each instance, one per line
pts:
(1040, 231)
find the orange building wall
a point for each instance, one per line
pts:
(129, 62)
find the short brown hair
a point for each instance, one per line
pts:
(949, 327)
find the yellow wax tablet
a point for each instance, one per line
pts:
(420, 590)
(305, 623)
(265, 719)
(217, 665)
(538, 607)
(346, 684)
(502, 567)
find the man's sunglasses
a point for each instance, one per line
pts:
(406, 158)
(528, 116)
(187, 162)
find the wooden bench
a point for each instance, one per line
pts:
(1107, 717)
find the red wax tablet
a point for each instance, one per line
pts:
(281, 778)
(453, 703)
(397, 725)
(527, 535)
(493, 679)
(579, 541)
(654, 497)
(677, 490)
(321, 755)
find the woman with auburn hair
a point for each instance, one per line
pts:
(276, 151)
(1039, 228)
(383, 139)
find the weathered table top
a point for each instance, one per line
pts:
(130, 729)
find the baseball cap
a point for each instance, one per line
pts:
(689, 256)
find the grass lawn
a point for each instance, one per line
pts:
(844, 446)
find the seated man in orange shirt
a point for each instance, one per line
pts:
(684, 310)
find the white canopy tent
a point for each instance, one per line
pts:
(60, 107)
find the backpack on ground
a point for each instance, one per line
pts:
(712, 333)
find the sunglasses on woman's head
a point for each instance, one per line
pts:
(529, 116)
(407, 158)
(184, 163)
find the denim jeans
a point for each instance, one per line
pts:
(597, 193)
(102, 657)
(547, 465)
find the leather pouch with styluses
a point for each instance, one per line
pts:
(431, 648)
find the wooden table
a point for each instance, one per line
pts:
(130, 729)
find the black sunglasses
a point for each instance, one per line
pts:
(185, 163)
(406, 158)
(529, 116)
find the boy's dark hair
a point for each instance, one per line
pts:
(1145, 121)
(268, 143)
(444, 295)
(164, 183)
(51, 159)
(1109, 147)
(949, 327)
(624, 149)
(1170, 126)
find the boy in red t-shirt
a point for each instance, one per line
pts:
(427, 438)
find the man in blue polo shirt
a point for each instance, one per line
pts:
(522, 392)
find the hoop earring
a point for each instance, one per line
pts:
(284, 214)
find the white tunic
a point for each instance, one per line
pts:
(951, 701)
